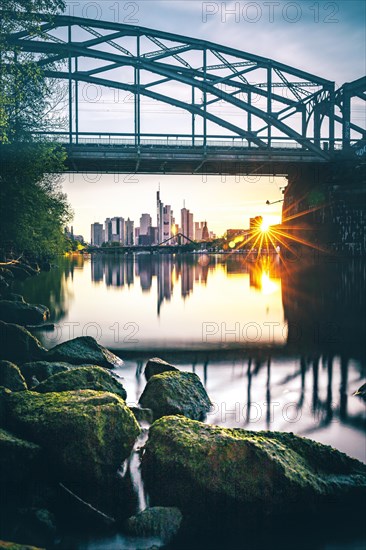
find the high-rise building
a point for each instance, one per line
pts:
(129, 232)
(197, 231)
(187, 225)
(145, 224)
(97, 234)
(118, 230)
(205, 233)
(167, 222)
(137, 235)
(108, 230)
(164, 219)
(159, 216)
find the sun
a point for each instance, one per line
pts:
(265, 225)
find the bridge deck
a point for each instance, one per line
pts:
(183, 159)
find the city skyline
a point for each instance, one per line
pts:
(124, 231)
(223, 201)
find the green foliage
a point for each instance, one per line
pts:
(33, 209)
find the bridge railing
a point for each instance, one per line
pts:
(172, 140)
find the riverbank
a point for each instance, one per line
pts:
(66, 409)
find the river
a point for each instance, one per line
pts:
(278, 345)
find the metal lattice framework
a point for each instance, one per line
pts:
(267, 101)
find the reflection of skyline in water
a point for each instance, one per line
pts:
(183, 271)
(169, 298)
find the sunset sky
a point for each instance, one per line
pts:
(324, 38)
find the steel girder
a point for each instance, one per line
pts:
(197, 65)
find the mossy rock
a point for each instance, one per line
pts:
(82, 350)
(11, 377)
(18, 458)
(82, 378)
(160, 521)
(22, 313)
(18, 344)
(157, 366)
(176, 393)
(6, 545)
(236, 474)
(142, 415)
(86, 434)
(35, 372)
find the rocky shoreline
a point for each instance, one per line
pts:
(67, 438)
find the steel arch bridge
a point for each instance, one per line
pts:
(242, 108)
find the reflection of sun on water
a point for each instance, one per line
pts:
(267, 284)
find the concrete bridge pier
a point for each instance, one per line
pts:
(324, 205)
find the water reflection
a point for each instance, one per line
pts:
(308, 395)
(183, 271)
(200, 301)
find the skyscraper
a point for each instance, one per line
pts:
(187, 225)
(118, 230)
(164, 219)
(97, 234)
(145, 224)
(129, 232)
(108, 230)
(159, 216)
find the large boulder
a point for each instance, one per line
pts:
(35, 372)
(18, 458)
(83, 378)
(11, 377)
(157, 366)
(82, 350)
(161, 522)
(212, 472)
(22, 313)
(176, 393)
(7, 545)
(86, 434)
(18, 344)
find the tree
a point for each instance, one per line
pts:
(33, 209)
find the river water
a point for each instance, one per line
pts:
(278, 345)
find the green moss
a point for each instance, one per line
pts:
(87, 434)
(11, 377)
(175, 392)
(92, 378)
(83, 350)
(189, 463)
(14, 546)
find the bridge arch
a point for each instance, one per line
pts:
(293, 106)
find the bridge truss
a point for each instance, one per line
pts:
(226, 92)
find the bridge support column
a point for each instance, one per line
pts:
(323, 210)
